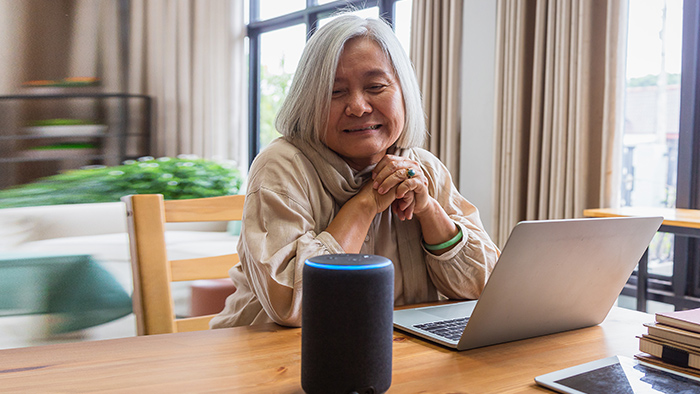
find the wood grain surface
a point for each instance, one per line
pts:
(266, 359)
(672, 216)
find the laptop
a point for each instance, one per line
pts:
(552, 276)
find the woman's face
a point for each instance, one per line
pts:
(367, 110)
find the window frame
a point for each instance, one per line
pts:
(309, 16)
(689, 129)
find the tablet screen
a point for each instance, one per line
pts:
(619, 375)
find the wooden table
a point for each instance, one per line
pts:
(678, 221)
(266, 359)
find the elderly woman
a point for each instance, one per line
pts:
(348, 176)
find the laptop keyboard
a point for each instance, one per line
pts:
(450, 329)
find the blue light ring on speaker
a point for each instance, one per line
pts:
(348, 262)
(347, 267)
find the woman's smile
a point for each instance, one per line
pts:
(363, 128)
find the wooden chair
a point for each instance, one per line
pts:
(153, 273)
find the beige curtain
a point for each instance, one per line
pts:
(13, 19)
(51, 40)
(557, 142)
(436, 31)
(189, 56)
(94, 45)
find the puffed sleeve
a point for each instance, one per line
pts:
(462, 272)
(281, 229)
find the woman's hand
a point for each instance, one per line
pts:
(407, 195)
(405, 178)
(381, 201)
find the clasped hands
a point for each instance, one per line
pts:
(393, 185)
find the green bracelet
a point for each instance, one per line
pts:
(445, 244)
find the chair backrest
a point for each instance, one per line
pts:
(153, 272)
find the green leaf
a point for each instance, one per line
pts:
(174, 178)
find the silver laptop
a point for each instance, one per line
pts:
(552, 276)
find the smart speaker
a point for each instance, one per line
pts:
(346, 324)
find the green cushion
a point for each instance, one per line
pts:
(73, 288)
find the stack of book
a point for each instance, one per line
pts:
(673, 341)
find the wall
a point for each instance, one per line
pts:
(478, 89)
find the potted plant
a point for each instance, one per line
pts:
(183, 177)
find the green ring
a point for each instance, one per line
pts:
(411, 173)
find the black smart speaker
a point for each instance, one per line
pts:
(346, 324)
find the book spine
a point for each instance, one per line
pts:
(670, 354)
(680, 324)
(673, 336)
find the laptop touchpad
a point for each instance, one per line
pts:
(462, 309)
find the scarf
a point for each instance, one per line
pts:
(343, 183)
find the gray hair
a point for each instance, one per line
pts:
(304, 113)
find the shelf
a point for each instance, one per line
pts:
(86, 130)
(39, 137)
(60, 90)
(74, 94)
(66, 154)
(38, 116)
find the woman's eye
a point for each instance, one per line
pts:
(377, 88)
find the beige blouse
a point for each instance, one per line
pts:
(294, 191)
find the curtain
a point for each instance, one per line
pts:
(13, 19)
(559, 72)
(190, 57)
(94, 43)
(436, 31)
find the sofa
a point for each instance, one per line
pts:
(100, 230)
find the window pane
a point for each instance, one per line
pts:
(402, 23)
(652, 109)
(274, 8)
(652, 103)
(372, 12)
(280, 51)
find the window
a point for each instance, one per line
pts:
(688, 174)
(652, 110)
(280, 51)
(277, 32)
(661, 153)
(652, 103)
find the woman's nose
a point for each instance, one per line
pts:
(357, 105)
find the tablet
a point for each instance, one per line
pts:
(619, 375)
